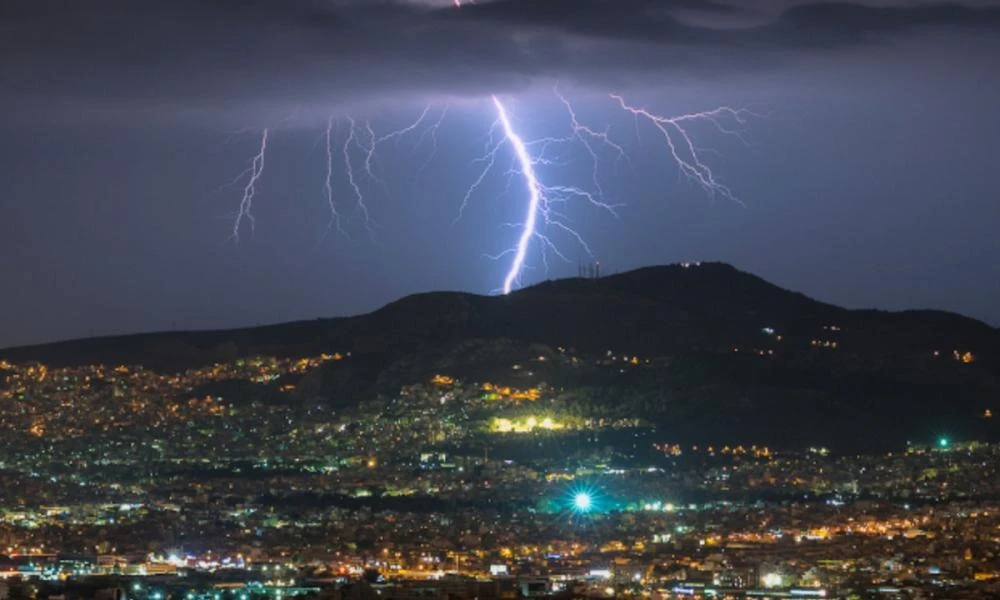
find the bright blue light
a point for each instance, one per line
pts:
(582, 502)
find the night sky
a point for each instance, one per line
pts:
(867, 178)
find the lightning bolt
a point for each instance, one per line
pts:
(398, 133)
(254, 172)
(685, 154)
(490, 158)
(372, 142)
(359, 198)
(327, 184)
(535, 195)
(588, 137)
(543, 212)
(363, 139)
(543, 199)
(431, 132)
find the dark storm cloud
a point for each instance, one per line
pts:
(232, 55)
(833, 24)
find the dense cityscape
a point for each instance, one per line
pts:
(499, 299)
(242, 480)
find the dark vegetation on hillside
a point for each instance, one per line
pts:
(702, 327)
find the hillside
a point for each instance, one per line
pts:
(721, 351)
(654, 310)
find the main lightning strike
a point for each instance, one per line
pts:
(542, 198)
(254, 172)
(534, 196)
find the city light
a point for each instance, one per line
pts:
(525, 425)
(587, 507)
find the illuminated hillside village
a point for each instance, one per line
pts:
(241, 480)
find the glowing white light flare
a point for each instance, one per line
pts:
(250, 189)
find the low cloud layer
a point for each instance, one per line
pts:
(178, 56)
